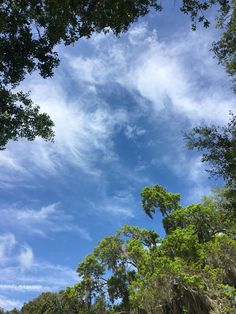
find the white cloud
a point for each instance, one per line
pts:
(176, 77)
(133, 131)
(10, 162)
(7, 243)
(40, 276)
(171, 75)
(93, 71)
(83, 135)
(137, 34)
(191, 170)
(122, 211)
(118, 206)
(23, 288)
(8, 246)
(43, 221)
(26, 257)
(81, 130)
(9, 303)
(23, 273)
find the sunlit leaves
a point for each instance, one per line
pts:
(158, 198)
(20, 118)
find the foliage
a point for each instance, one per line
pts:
(190, 270)
(47, 302)
(53, 303)
(158, 197)
(20, 118)
(225, 47)
(31, 29)
(219, 147)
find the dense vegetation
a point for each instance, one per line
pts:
(30, 31)
(191, 270)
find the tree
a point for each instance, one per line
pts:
(225, 47)
(190, 270)
(107, 272)
(30, 31)
(194, 263)
(158, 197)
(218, 145)
(20, 118)
(219, 148)
(14, 311)
(46, 303)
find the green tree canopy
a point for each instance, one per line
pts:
(20, 118)
(218, 144)
(46, 303)
(191, 270)
(225, 47)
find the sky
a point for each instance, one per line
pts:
(120, 108)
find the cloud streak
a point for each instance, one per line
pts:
(26, 257)
(7, 243)
(23, 273)
(41, 222)
(171, 75)
(83, 135)
(9, 303)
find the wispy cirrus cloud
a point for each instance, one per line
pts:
(23, 288)
(117, 208)
(7, 243)
(172, 75)
(13, 253)
(40, 276)
(21, 272)
(83, 135)
(26, 257)
(39, 221)
(8, 303)
(163, 77)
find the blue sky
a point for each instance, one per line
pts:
(120, 107)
